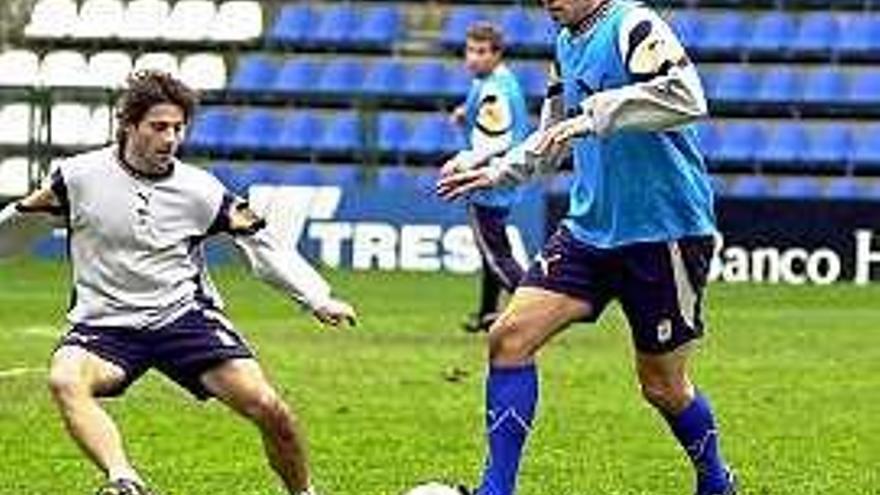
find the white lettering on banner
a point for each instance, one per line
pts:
(865, 257)
(331, 237)
(419, 247)
(293, 210)
(374, 242)
(796, 266)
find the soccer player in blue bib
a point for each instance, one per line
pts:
(640, 227)
(495, 119)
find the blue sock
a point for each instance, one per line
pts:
(696, 431)
(511, 397)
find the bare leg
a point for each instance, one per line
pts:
(241, 385)
(75, 376)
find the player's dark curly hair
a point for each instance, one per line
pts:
(146, 89)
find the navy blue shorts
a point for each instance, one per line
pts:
(183, 350)
(659, 285)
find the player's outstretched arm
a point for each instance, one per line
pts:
(667, 93)
(23, 221)
(520, 163)
(287, 272)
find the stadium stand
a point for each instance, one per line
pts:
(793, 84)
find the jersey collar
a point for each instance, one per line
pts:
(589, 21)
(120, 157)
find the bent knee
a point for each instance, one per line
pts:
(65, 383)
(509, 342)
(669, 397)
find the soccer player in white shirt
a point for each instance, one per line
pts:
(137, 218)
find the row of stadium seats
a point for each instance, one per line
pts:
(788, 84)
(340, 26)
(107, 69)
(798, 144)
(187, 20)
(262, 73)
(71, 124)
(701, 30)
(775, 32)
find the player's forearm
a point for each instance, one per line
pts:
(664, 102)
(485, 149)
(19, 227)
(522, 162)
(287, 272)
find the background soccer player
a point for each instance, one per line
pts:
(137, 218)
(495, 118)
(639, 229)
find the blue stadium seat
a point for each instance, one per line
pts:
(338, 26)
(517, 26)
(719, 185)
(343, 133)
(845, 188)
(381, 26)
(864, 88)
(861, 33)
(385, 77)
(434, 134)
(458, 82)
(426, 78)
(300, 131)
(738, 142)
(773, 32)
(297, 75)
(779, 85)
(798, 188)
(707, 137)
(543, 33)
(342, 175)
(786, 143)
(688, 25)
(263, 173)
(302, 174)
(818, 31)
(257, 129)
(425, 181)
(393, 178)
(230, 176)
(830, 144)
(532, 79)
(456, 25)
(341, 76)
(735, 83)
(825, 85)
(392, 132)
(211, 129)
(750, 186)
(254, 73)
(728, 32)
(866, 153)
(293, 24)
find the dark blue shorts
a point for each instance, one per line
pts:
(659, 285)
(182, 351)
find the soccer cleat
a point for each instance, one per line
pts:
(463, 490)
(124, 487)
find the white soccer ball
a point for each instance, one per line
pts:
(434, 488)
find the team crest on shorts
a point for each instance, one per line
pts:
(664, 331)
(544, 263)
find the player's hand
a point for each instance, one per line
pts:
(336, 312)
(556, 139)
(458, 184)
(458, 116)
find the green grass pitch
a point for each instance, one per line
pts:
(794, 373)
